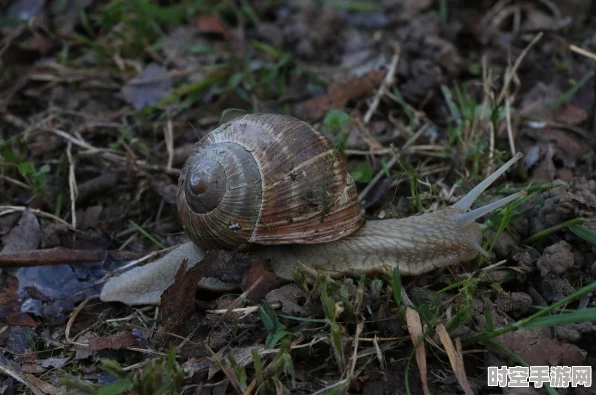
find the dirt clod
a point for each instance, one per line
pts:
(556, 260)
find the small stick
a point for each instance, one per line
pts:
(59, 256)
(169, 138)
(72, 184)
(511, 72)
(389, 78)
(5, 210)
(509, 128)
(583, 52)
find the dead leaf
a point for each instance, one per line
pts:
(82, 352)
(177, 302)
(40, 385)
(10, 309)
(569, 114)
(416, 333)
(89, 218)
(289, 296)
(32, 368)
(577, 10)
(195, 365)
(25, 236)
(538, 347)
(455, 359)
(148, 88)
(209, 24)
(341, 92)
(565, 175)
(414, 7)
(166, 190)
(545, 170)
(13, 317)
(117, 341)
(54, 362)
(537, 20)
(566, 142)
(25, 9)
(18, 341)
(312, 32)
(262, 273)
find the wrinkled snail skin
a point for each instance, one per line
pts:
(275, 186)
(415, 244)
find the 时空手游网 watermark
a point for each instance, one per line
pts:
(555, 376)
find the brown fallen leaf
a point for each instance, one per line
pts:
(82, 352)
(569, 114)
(416, 333)
(177, 302)
(455, 359)
(10, 307)
(25, 236)
(166, 190)
(341, 92)
(538, 347)
(12, 316)
(209, 24)
(545, 170)
(37, 384)
(32, 368)
(213, 25)
(149, 87)
(268, 281)
(117, 341)
(89, 218)
(566, 141)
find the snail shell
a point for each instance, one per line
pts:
(266, 179)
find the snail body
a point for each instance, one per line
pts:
(274, 185)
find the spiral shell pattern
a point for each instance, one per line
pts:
(266, 179)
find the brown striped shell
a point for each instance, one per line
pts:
(266, 179)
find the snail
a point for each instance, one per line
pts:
(276, 186)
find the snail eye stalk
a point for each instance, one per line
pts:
(466, 202)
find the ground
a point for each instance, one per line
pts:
(102, 101)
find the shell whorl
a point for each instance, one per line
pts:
(266, 179)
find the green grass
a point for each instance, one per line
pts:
(161, 375)
(146, 234)
(14, 154)
(567, 96)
